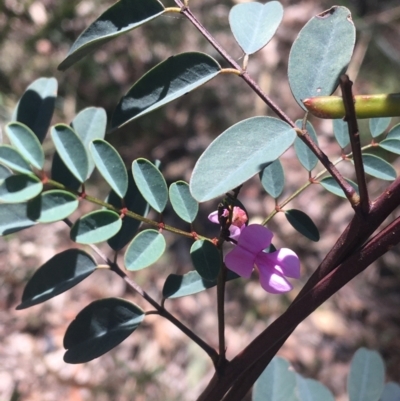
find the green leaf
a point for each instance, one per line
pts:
(95, 227)
(366, 378)
(391, 392)
(61, 173)
(306, 157)
(185, 206)
(12, 159)
(134, 202)
(320, 54)
(27, 143)
(145, 249)
(36, 106)
(254, 24)
(276, 383)
(378, 126)
(151, 183)
(303, 224)
(53, 205)
(237, 154)
(62, 272)
(331, 185)
(206, 259)
(312, 390)
(4, 172)
(14, 217)
(341, 131)
(121, 17)
(273, 179)
(379, 168)
(71, 150)
(100, 327)
(19, 188)
(90, 124)
(110, 165)
(167, 81)
(177, 286)
(391, 145)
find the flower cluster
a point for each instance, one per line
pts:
(249, 253)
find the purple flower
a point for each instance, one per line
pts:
(272, 267)
(239, 220)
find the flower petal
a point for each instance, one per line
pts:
(273, 282)
(213, 217)
(287, 261)
(240, 261)
(254, 238)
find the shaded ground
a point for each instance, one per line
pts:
(157, 362)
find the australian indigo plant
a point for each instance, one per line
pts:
(318, 59)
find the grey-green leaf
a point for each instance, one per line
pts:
(26, 142)
(19, 188)
(391, 392)
(276, 383)
(391, 145)
(110, 165)
(151, 183)
(145, 249)
(377, 126)
(237, 154)
(71, 150)
(273, 178)
(312, 390)
(341, 131)
(379, 168)
(302, 223)
(366, 378)
(185, 206)
(306, 157)
(167, 81)
(90, 124)
(62, 272)
(254, 24)
(94, 227)
(121, 17)
(4, 172)
(206, 259)
(177, 286)
(321, 53)
(14, 217)
(11, 158)
(331, 185)
(53, 205)
(100, 327)
(36, 106)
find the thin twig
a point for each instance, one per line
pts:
(351, 119)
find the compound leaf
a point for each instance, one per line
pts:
(145, 249)
(254, 24)
(302, 223)
(185, 206)
(19, 188)
(167, 81)
(206, 259)
(121, 17)
(95, 227)
(321, 53)
(62, 272)
(71, 150)
(100, 327)
(110, 165)
(27, 143)
(237, 154)
(36, 106)
(151, 183)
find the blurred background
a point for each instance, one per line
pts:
(158, 362)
